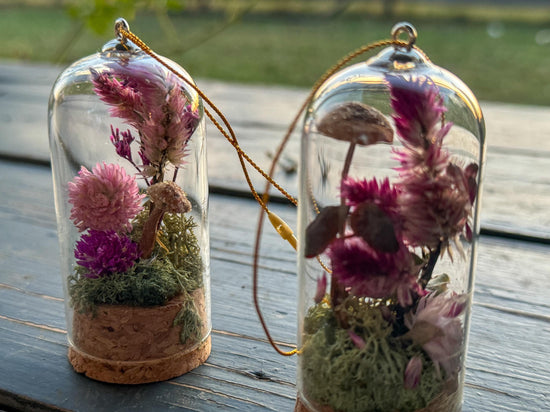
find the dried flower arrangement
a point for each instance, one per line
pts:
(388, 335)
(137, 285)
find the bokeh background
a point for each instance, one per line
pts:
(500, 48)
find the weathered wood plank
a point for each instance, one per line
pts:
(38, 369)
(517, 186)
(507, 361)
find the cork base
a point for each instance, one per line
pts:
(133, 344)
(136, 372)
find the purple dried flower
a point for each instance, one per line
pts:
(356, 191)
(375, 214)
(366, 272)
(122, 144)
(357, 340)
(413, 373)
(321, 288)
(105, 253)
(436, 327)
(104, 199)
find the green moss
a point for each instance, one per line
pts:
(149, 282)
(337, 373)
(190, 321)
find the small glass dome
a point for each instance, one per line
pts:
(391, 162)
(128, 151)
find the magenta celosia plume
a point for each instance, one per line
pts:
(155, 104)
(105, 252)
(104, 199)
(436, 199)
(417, 109)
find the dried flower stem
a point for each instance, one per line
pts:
(429, 268)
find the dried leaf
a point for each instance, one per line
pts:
(324, 229)
(375, 227)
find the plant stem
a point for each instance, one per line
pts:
(429, 268)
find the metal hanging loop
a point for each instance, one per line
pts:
(406, 28)
(120, 26)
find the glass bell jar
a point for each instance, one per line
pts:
(391, 160)
(128, 151)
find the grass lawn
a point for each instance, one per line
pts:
(296, 48)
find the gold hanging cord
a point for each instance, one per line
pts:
(396, 32)
(123, 32)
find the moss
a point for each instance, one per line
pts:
(338, 374)
(151, 281)
(176, 241)
(190, 321)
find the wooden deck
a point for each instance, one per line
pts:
(508, 365)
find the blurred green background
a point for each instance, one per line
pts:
(500, 48)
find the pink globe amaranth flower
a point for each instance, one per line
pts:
(104, 199)
(368, 273)
(436, 327)
(155, 104)
(105, 253)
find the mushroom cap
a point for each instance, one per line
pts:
(356, 122)
(169, 197)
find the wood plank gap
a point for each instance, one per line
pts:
(212, 392)
(253, 375)
(15, 402)
(245, 194)
(495, 391)
(34, 325)
(524, 237)
(14, 158)
(242, 385)
(544, 318)
(27, 292)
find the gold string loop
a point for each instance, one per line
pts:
(123, 33)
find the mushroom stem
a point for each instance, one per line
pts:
(335, 289)
(149, 234)
(347, 162)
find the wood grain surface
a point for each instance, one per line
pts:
(508, 366)
(516, 195)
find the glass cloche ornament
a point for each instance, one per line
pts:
(128, 151)
(389, 195)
